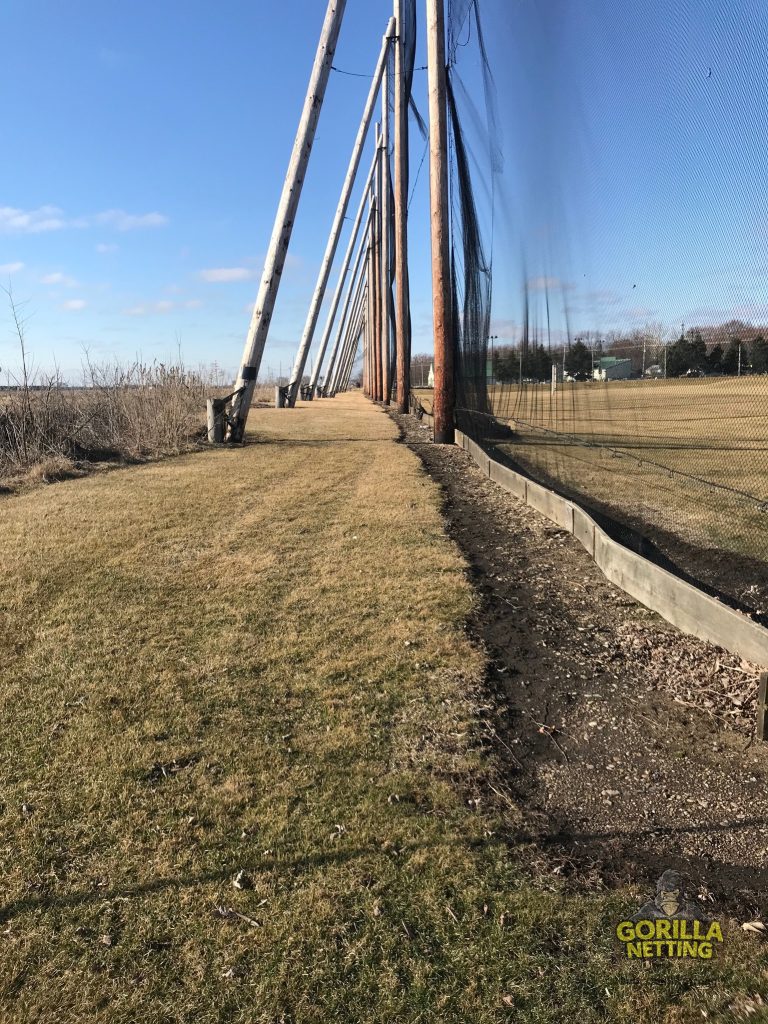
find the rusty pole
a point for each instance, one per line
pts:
(444, 400)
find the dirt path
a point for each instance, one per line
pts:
(630, 743)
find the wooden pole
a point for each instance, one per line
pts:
(386, 289)
(338, 221)
(284, 221)
(444, 401)
(371, 318)
(377, 390)
(762, 710)
(348, 299)
(350, 321)
(340, 284)
(402, 298)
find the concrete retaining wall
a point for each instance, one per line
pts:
(687, 608)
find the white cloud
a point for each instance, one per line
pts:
(14, 221)
(11, 268)
(105, 247)
(74, 305)
(150, 308)
(193, 304)
(59, 278)
(224, 275)
(545, 283)
(122, 221)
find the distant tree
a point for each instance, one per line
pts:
(578, 359)
(679, 357)
(715, 359)
(698, 350)
(730, 361)
(505, 364)
(759, 355)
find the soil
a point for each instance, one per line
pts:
(629, 745)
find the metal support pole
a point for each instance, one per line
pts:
(402, 298)
(284, 221)
(358, 267)
(444, 401)
(338, 221)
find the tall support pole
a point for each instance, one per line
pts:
(402, 298)
(371, 318)
(350, 315)
(284, 221)
(386, 283)
(338, 222)
(377, 391)
(340, 285)
(348, 299)
(444, 400)
(352, 334)
(351, 356)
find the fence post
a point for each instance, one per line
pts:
(761, 706)
(215, 407)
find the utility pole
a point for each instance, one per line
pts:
(284, 221)
(444, 397)
(386, 281)
(402, 297)
(338, 221)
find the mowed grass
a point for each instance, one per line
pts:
(254, 661)
(687, 456)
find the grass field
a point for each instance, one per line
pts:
(254, 661)
(687, 456)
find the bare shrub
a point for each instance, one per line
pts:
(132, 412)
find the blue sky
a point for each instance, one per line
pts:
(144, 148)
(144, 153)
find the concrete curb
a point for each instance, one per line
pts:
(681, 604)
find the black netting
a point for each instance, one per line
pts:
(609, 265)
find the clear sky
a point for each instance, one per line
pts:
(144, 148)
(144, 151)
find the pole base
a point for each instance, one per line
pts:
(446, 436)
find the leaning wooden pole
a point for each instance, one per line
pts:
(284, 221)
(359, 264)
(444, 401)
(338, 221)
(350, 315)
(315, 376)
(402, 298)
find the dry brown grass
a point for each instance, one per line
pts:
(254, 660)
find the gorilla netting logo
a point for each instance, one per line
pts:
(672, 925)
